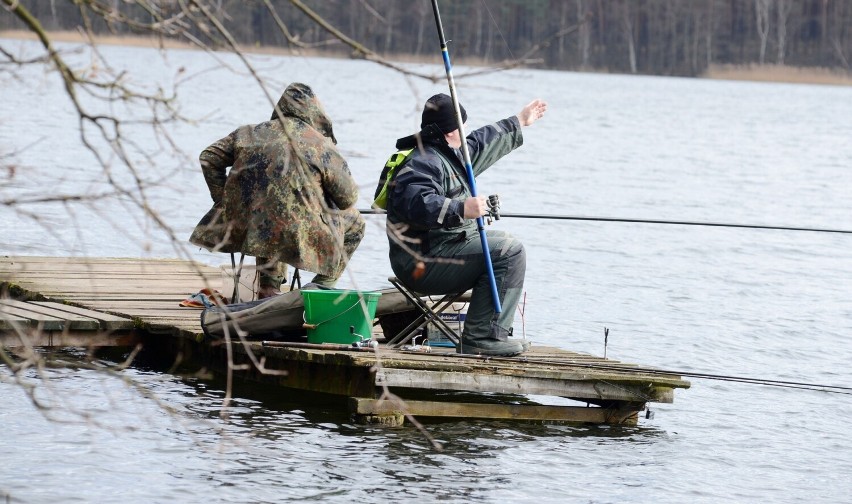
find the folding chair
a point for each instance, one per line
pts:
(426, 314)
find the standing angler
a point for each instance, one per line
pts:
(288, 198)
(432, 213)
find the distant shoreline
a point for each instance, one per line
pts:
(752, 72)
(778, 73)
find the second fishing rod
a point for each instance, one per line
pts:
(495, 214)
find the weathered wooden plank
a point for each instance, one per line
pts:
(85, 282)
(174, 313)
(177, 322)
(536, 355)
(121, 262)
(143, 306)
(107, 322)
(47, 271)
(125, 298)
(46, 322)
(73, 321)
(530, 358)
(388, 359)
(113, 272)
(135, 302)
(118, 285)
(513, 367)
(212, 277)
(588, 387)
(440, 409)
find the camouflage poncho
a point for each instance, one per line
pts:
(285, 191)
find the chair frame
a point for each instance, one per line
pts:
(426, 314)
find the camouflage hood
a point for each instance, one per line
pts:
(300, 102)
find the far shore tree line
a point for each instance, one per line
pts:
(660, 37)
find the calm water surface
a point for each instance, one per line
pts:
(768, 304)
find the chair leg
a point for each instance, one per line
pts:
(405, 335)
(235, 297)
(297, 280)
(427, 314)
(448, 331)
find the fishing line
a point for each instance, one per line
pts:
(834, 389)
(649, 221)
(499, 32)
(681, 223)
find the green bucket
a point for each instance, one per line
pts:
(335, 313)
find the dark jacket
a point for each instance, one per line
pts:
(426, 200)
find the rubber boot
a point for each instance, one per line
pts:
(492, 347)
(272, 274)
(496, 344)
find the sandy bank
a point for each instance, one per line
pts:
(779, 73)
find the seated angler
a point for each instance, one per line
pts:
(435, 247)
(288, 198)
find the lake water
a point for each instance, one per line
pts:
(767, 304)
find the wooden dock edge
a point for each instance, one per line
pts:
(91, 302)
(390, 412)
(578, 389)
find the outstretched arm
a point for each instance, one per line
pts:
(532, 112)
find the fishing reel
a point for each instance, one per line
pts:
(493, 208)
(363, 342)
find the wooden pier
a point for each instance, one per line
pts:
(92, 302)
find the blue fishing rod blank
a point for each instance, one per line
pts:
(480, 224)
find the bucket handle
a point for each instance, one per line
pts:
(306, 325)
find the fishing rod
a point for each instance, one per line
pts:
(651, 221)
(480, 224)
(681, 223)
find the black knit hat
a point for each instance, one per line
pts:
(440, 112)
